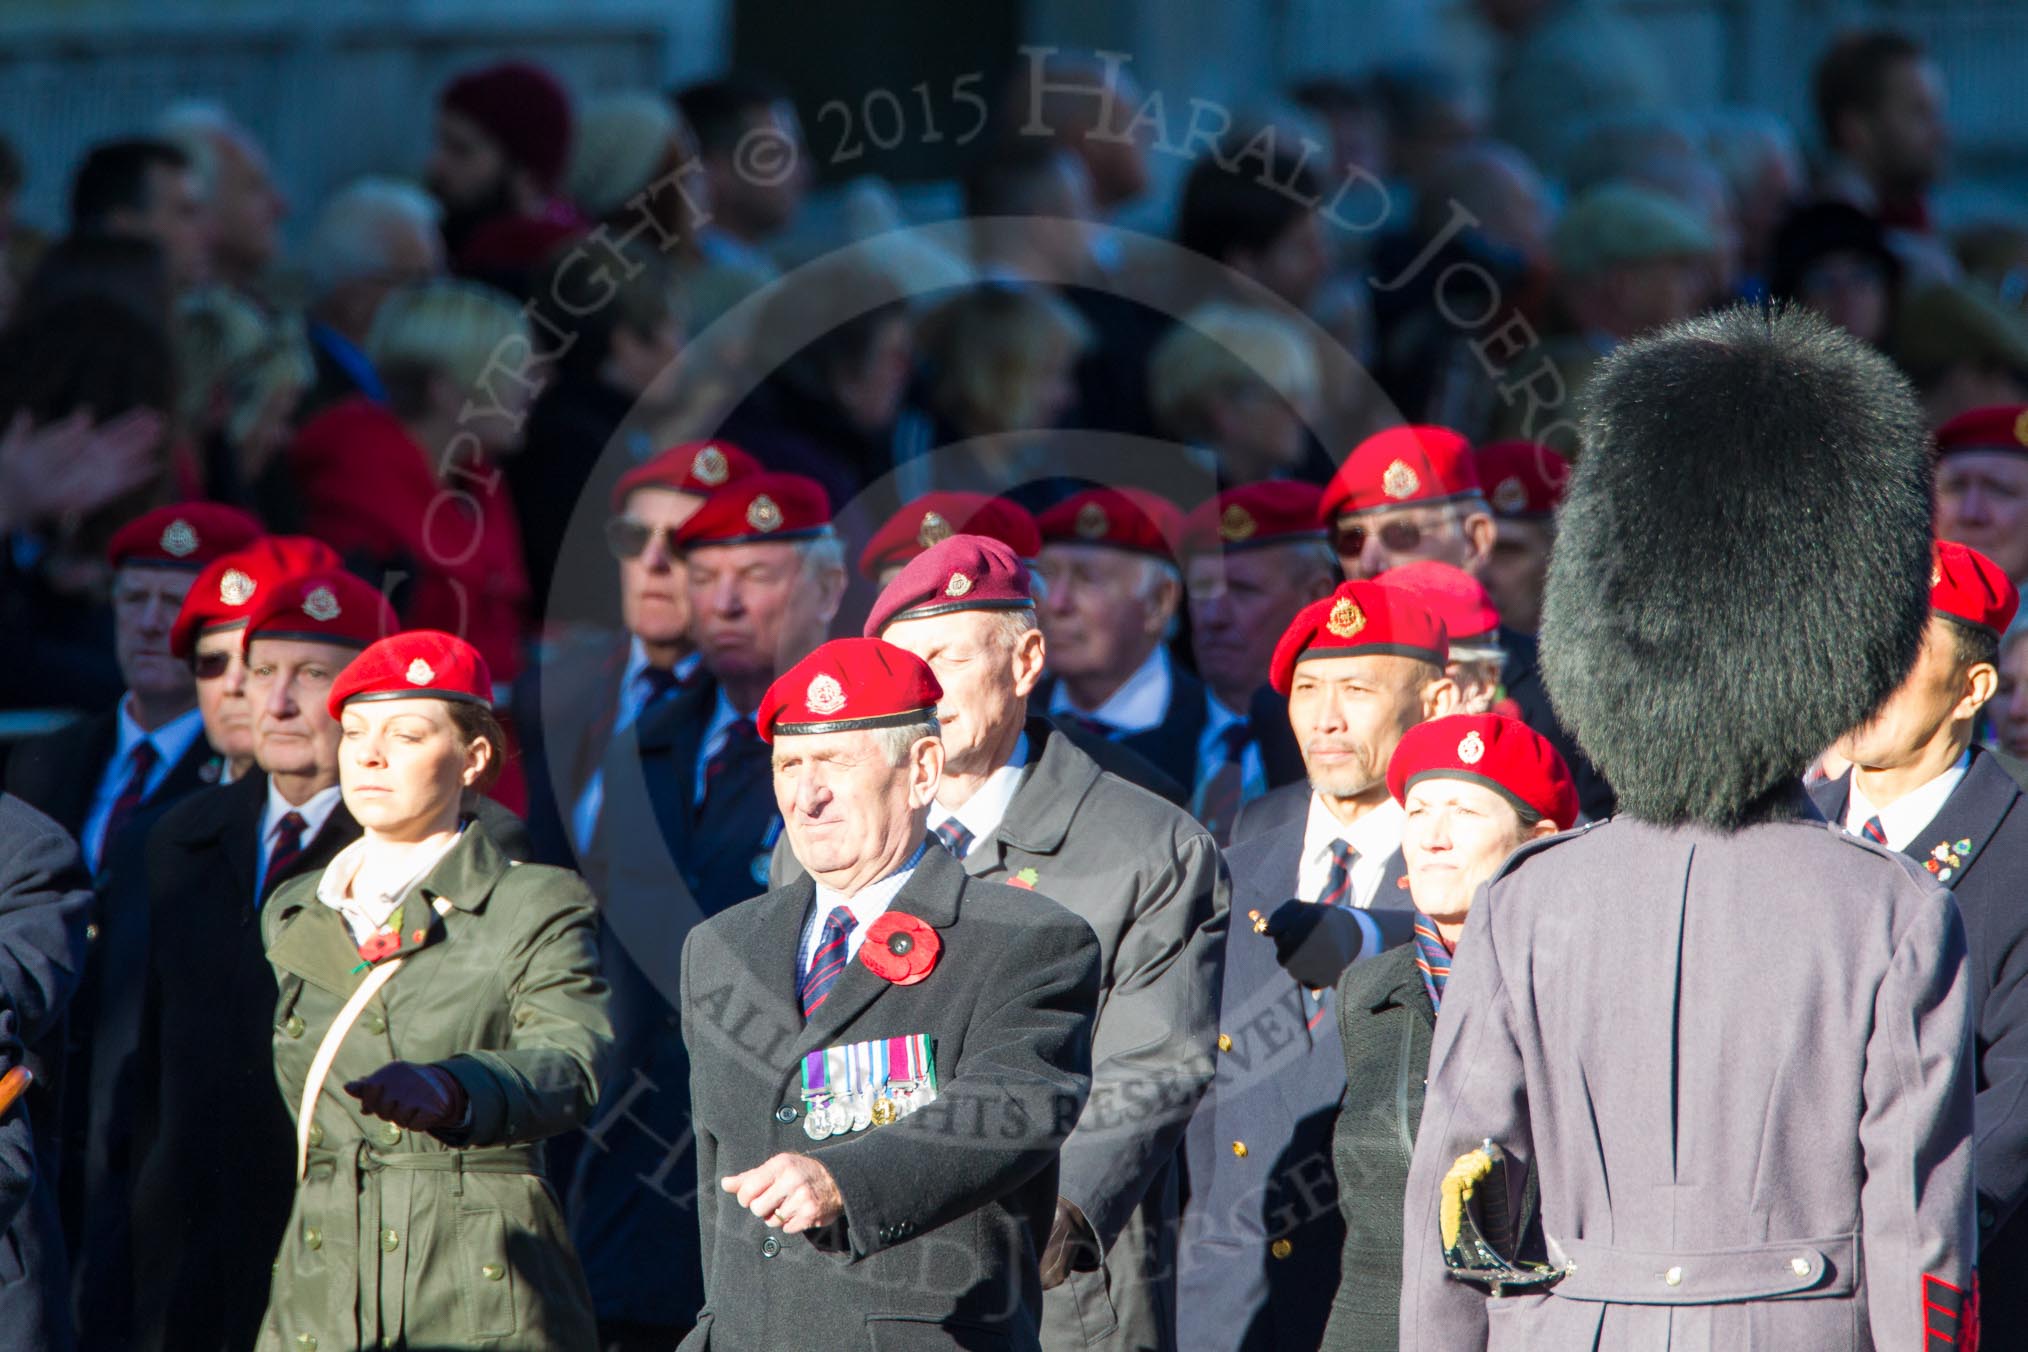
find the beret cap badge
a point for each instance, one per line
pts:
(321, 605)
(419, 673)
(958, 585)
(235, 588)
(1400, 481)
(179, 539)
(763, 513)
(825, 696)
(1346, 618)
(1236, 524)
(1091, 521)
(1510, 495)
(1472, 749)
(934, 530)
(710, 467)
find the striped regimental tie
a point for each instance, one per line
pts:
(827, 964)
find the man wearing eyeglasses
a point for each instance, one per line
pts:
(575, 704)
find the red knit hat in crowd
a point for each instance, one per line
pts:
(1411, 466)
(1523, 480)
(1504, 754)
(935, 517)
(225, 592)
(965, 572)
(1278, 512)
(846, 684)
(1966, 586)
(183, 535)
(759, 508)
(321, 607)
(1121, 518)
(699, 468)
(524, 108)
(1357, 619)
(415, 664)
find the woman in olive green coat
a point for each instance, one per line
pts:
(470, 1023)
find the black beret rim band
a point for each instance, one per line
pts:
(900, 720)
(179, 565)
(1316, 535)
(757, 538)
(418, 692)
(1147, 552)
(1376, 649)
(951, 607)
(1945, 452)
(1338, 514)
(1474, 777)
(1973, 625)
(310, 636)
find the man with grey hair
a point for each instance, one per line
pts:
(372, 236)
(1108, 562)
(1020, 803)
(889, 1052)
(238, 188)
(685, 831)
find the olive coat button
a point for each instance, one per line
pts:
(293, 1027)
(374, 1023)
(493, 1272)
(316, 1133)
(390, 1240)
(313, 1237)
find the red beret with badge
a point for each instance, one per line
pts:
(935, 517)
(1454, 596)
(758, 509)
(1359, 619)
(332, 606)
(1277, 512)
(1410, 466)
(224, 593)
(1523, 480)
(848, 684)
(1999, 428)
(699, 468)
(965, 572)
(1966, 586)
(183, 535)
(1504, 754)
(414, 664)
(1119, 518)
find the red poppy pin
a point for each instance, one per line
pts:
(900, 948)
(382, 945)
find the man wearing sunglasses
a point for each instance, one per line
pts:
(575, 704)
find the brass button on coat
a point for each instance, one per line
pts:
(390, 1240)
(307, 1341)
(1225, 1042)
(1281, 1248)
(492, 1272)
(293, 1027)
(313, 1237)
(390, 1134)
(1239, 1149)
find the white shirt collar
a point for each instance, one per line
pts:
(1375, 838)
(364, 916)
(315, 812)
(1905, 817)
(1141, 702)
(986, 809)
(171, 741)
(867, 906)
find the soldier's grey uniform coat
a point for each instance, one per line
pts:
(1683, 1055)
(1150, 882)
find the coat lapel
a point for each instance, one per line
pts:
(1952, 841)
(315, 945)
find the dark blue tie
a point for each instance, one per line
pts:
(953, 836)
(827, 964)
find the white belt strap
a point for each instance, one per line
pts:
(327, 1052)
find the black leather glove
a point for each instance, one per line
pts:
(1072, 1246)
(1314, 944)
(420, 1098)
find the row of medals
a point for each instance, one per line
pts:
(838, 1115)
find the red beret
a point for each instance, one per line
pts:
(524, 108)
(697, 467)
(935, 517)
(183, 535)
(1522, 479)
(1453, 595)
(224, 593)
(849, 683)
(321, 607)
(1970, 588)
(759, 507)
(1996, 427)
(1356, 619)
(1502, 753)
(1278, 512)
(1401, 467)
(965, 572)
(1122, 518)
(417, 664)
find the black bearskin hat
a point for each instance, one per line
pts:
(1742, 563)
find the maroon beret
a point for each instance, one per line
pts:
(1409, 466)
(845, 684)
(934, 517)
(415, 664)
(1453, 595)
(224, 593)
(759, 507)
(1122, 518)
(1968, 587)
(1278, 512)
(183, 535)
(322, 607)
(524, 108)
(965, 572)
(1523, 479)
(1357, 619)
(697, 467)
(1502, 753)
(1996, 427)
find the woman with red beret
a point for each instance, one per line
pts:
(441, 1013)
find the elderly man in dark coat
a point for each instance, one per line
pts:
(1732, 1041)
(45, 902)
(887, 1055)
